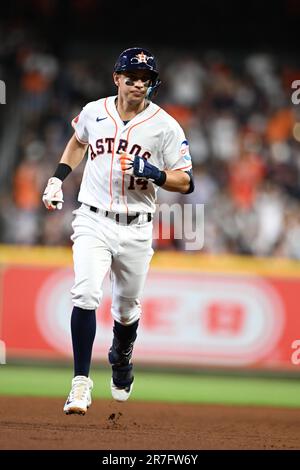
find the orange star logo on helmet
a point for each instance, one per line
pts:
(142, 57)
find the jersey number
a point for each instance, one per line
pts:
(143, 183)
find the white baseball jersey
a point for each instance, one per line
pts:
(152, 134)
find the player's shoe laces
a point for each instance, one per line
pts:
(122, 370)
(79, 398)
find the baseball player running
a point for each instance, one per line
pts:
(134, 147)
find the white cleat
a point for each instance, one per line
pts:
(79, 398)
(120, 394)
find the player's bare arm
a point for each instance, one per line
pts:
(73, 153)
(177, 181)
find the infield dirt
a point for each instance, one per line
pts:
(39, 423)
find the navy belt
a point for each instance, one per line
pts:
(122, 217)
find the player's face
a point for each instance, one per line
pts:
(134, 85)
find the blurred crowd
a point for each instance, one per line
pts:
(236, 111)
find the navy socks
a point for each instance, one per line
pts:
(83, 329)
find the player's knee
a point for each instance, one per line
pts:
(86, 298)
(126, 311)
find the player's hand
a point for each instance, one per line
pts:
(53, 195)
(126, 161)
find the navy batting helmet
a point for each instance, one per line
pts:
(137, 58)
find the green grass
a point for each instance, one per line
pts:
(149, 386)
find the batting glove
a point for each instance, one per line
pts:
(141, 168)
(53, 195)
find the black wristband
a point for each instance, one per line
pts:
(160, 181)
(62, 171)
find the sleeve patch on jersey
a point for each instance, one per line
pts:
(76, 119)
(184, 150)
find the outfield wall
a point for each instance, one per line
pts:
(198, 310)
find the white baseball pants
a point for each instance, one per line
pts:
(100, 244)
